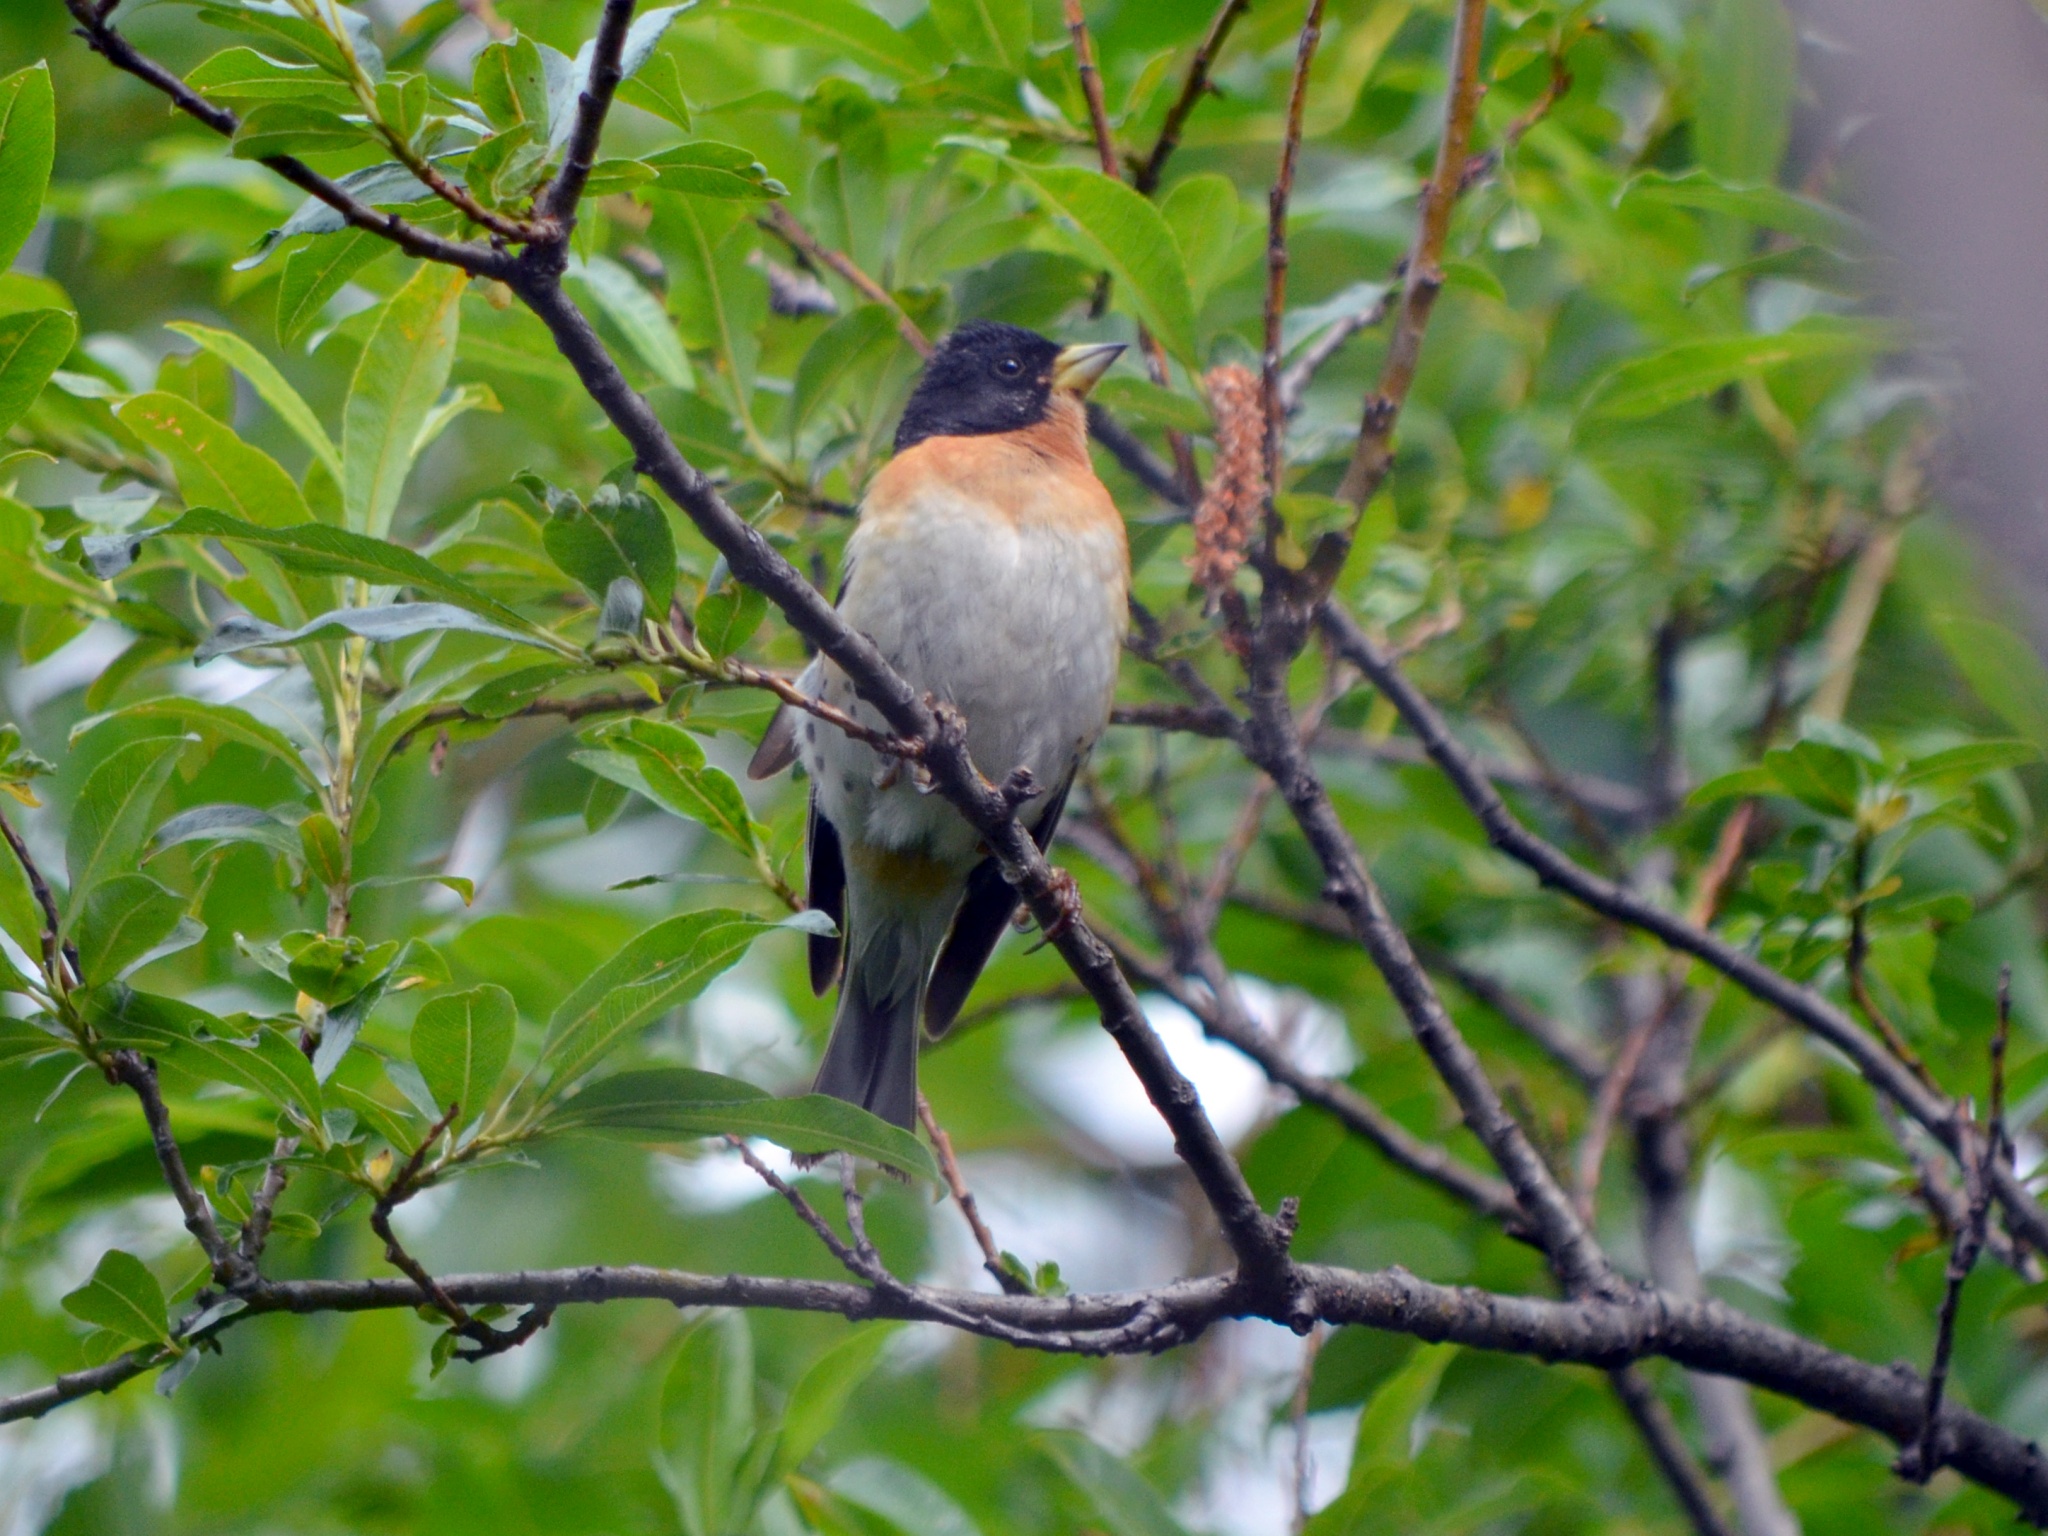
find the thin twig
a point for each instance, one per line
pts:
(1607, 1104)
(1812, 1012)
(1372, 456)
(479, 260)
(1668, 1449)
(53, 953)
(555, 205)
(1304, 1464)
(1925, 1455)
(1091, 90)
(1193, 87)
(949, 1168)
(1276, 246)
(1296, 377)
(785, 224)
(139, 1074)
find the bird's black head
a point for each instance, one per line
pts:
(982, 378)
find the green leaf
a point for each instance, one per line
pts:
(215, 468)
(461, 1044)
(1747, 76)
(707, 1424)
(1203, 212)
(666, 965)
(227, 823)
(1126, 235)
(123, 919)
(844, 352)
(316, 273)
(265, 1062)
(836, 27)
(1738, 784)
(1821, 777)
(819, 1398)
(909, 1501)
(1644, 386)
(324, 550)
(1125, 1503)
(293, 128)
(123, 1297)
(321, 842)
(309, 39)
(726, 619)
(510, 84)
(276, 391)
(1966, 764)
(1134, 399)
(663, 762)
(331, 970)
(658, 88)
(2002, 669)
(228, 722)
(404, 368)
(393, 621)
(1387, 1427)
(112, 814)
(243, 74)
(718, 300)
(618, 533)
(708, 169)
(32, 343)
(28, 141)
(640, 318)
(667, 1103)
(993, 32)
(1765, 205)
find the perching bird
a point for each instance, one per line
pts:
(990, 567)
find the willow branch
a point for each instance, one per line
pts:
(556, 204)
(1603, 1333)
(100, 35)
(1372, 456)
(1276, 242)
(1193, 87)
(1804, 1007)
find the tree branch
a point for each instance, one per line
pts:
(1804, 1007)
(1373, 455)
(1276, 247)
(1703, 1335)
(100, 35)
(1192, 89)
(1668, 1449)
(556, 204)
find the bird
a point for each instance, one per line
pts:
(989, 565)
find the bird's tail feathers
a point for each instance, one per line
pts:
(871, 1059)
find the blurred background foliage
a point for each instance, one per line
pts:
(1657, 534)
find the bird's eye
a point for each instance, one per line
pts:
(1009, 368)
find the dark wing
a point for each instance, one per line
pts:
(778, 745)
(825, 875)
(978, 925)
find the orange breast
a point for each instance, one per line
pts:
(1040, 476)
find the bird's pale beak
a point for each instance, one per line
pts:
(1076, 369)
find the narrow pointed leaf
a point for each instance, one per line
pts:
(275, 389)
(401, 375)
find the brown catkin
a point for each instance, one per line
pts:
(1237, 483)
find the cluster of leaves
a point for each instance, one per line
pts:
(1647, 407)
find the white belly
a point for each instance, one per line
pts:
(1017, 626)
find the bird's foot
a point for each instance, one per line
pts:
(1067, 892)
